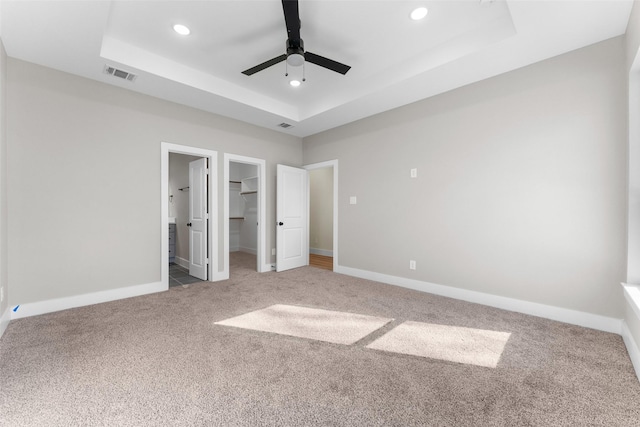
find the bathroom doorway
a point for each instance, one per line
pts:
(195, 180)
(187, 238)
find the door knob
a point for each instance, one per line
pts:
(188, 224)
(281, 223)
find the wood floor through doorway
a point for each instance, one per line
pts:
(321, 261)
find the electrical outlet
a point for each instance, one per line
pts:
(353, 200)
(1, 295)
(414, 173)
(412, 265)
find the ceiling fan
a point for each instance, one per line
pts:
(296, 55)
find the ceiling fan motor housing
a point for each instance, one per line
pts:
(295, 52)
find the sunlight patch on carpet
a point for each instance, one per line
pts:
(452, 343)
(311, 323)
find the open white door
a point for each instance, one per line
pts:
(292, 230)
(198, 219)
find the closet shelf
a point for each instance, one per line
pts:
(237, 217)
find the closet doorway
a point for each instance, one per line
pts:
(245, 209)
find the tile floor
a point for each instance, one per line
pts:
(179, 276)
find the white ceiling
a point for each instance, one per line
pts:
(394, 60)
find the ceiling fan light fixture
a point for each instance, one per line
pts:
(183, 30)
(419, 13)
(295, 83)
(295, 59)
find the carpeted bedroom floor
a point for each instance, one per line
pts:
(161, 360)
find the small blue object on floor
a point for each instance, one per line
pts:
(179, 276)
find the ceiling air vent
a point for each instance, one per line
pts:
(119, 73)
(285, 125)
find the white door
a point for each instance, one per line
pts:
(198, 219)
(292, 228)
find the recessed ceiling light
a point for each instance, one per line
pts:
(181, 29)
(419, 13)
(295, 83)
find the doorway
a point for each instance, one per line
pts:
(187, 223)
(244, 212)
(198, 241)
(323, 214)
(293, 204)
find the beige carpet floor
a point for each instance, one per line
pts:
(444, 342)
(316, 324)
(160, 360)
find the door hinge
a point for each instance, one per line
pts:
(206, 261)
(206, 216)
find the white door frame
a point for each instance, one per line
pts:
(334, 164)
(262, 264)
(212, 156)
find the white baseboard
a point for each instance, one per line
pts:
(632, 348)
(323, 252)
(574, 317)
(58, 304)
(4, 321)
(184, 263)
(219, 276)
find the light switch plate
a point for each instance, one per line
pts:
(353, 200)
(414, 173)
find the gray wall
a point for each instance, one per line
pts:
(633, 270)
(633, 43)
(632, 35)
(3, 186)
(84, 179)
(521, 188)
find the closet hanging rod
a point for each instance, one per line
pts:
(183, 188)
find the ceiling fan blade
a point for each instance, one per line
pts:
(292, 18)
(326, 63)
(264, 65)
